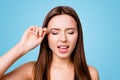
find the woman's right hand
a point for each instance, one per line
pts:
(32, 37)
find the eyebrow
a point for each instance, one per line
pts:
(54, 29)
(71, 29)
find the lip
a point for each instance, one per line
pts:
(63, 48)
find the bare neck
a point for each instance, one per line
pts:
(61, 62)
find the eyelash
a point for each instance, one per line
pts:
(71, 32)
(54, 33)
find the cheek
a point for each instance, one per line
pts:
(73, 40)
(52, 41)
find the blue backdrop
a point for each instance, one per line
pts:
(100, 21)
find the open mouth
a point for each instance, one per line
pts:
(63, 48)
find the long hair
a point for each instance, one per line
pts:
(42, 65)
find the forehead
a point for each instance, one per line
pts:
(62, 21)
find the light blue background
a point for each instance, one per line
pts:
(100, 20)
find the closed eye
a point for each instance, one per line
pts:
(54, 33)
(71, 32)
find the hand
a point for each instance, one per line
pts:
(32, 37)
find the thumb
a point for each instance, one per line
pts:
(44, 32)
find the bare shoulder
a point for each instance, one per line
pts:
(24, 72)
(28, 65)
(93, 72)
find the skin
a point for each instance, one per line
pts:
(32, 37)
(62, 33)
(61, 30)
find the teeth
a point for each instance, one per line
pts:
(63, 47)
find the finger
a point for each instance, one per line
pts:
(40, 32)
(32, 29)
(41, 36)
(36, 30)
(44, 33)
(45, 30)
(29, 30)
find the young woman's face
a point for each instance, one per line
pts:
(62, 35)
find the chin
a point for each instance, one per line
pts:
(64, 56)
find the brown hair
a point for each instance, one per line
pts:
(42, 66)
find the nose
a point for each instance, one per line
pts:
(63, 38)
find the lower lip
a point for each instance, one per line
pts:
(63, 50)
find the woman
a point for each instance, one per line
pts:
(61, 55)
